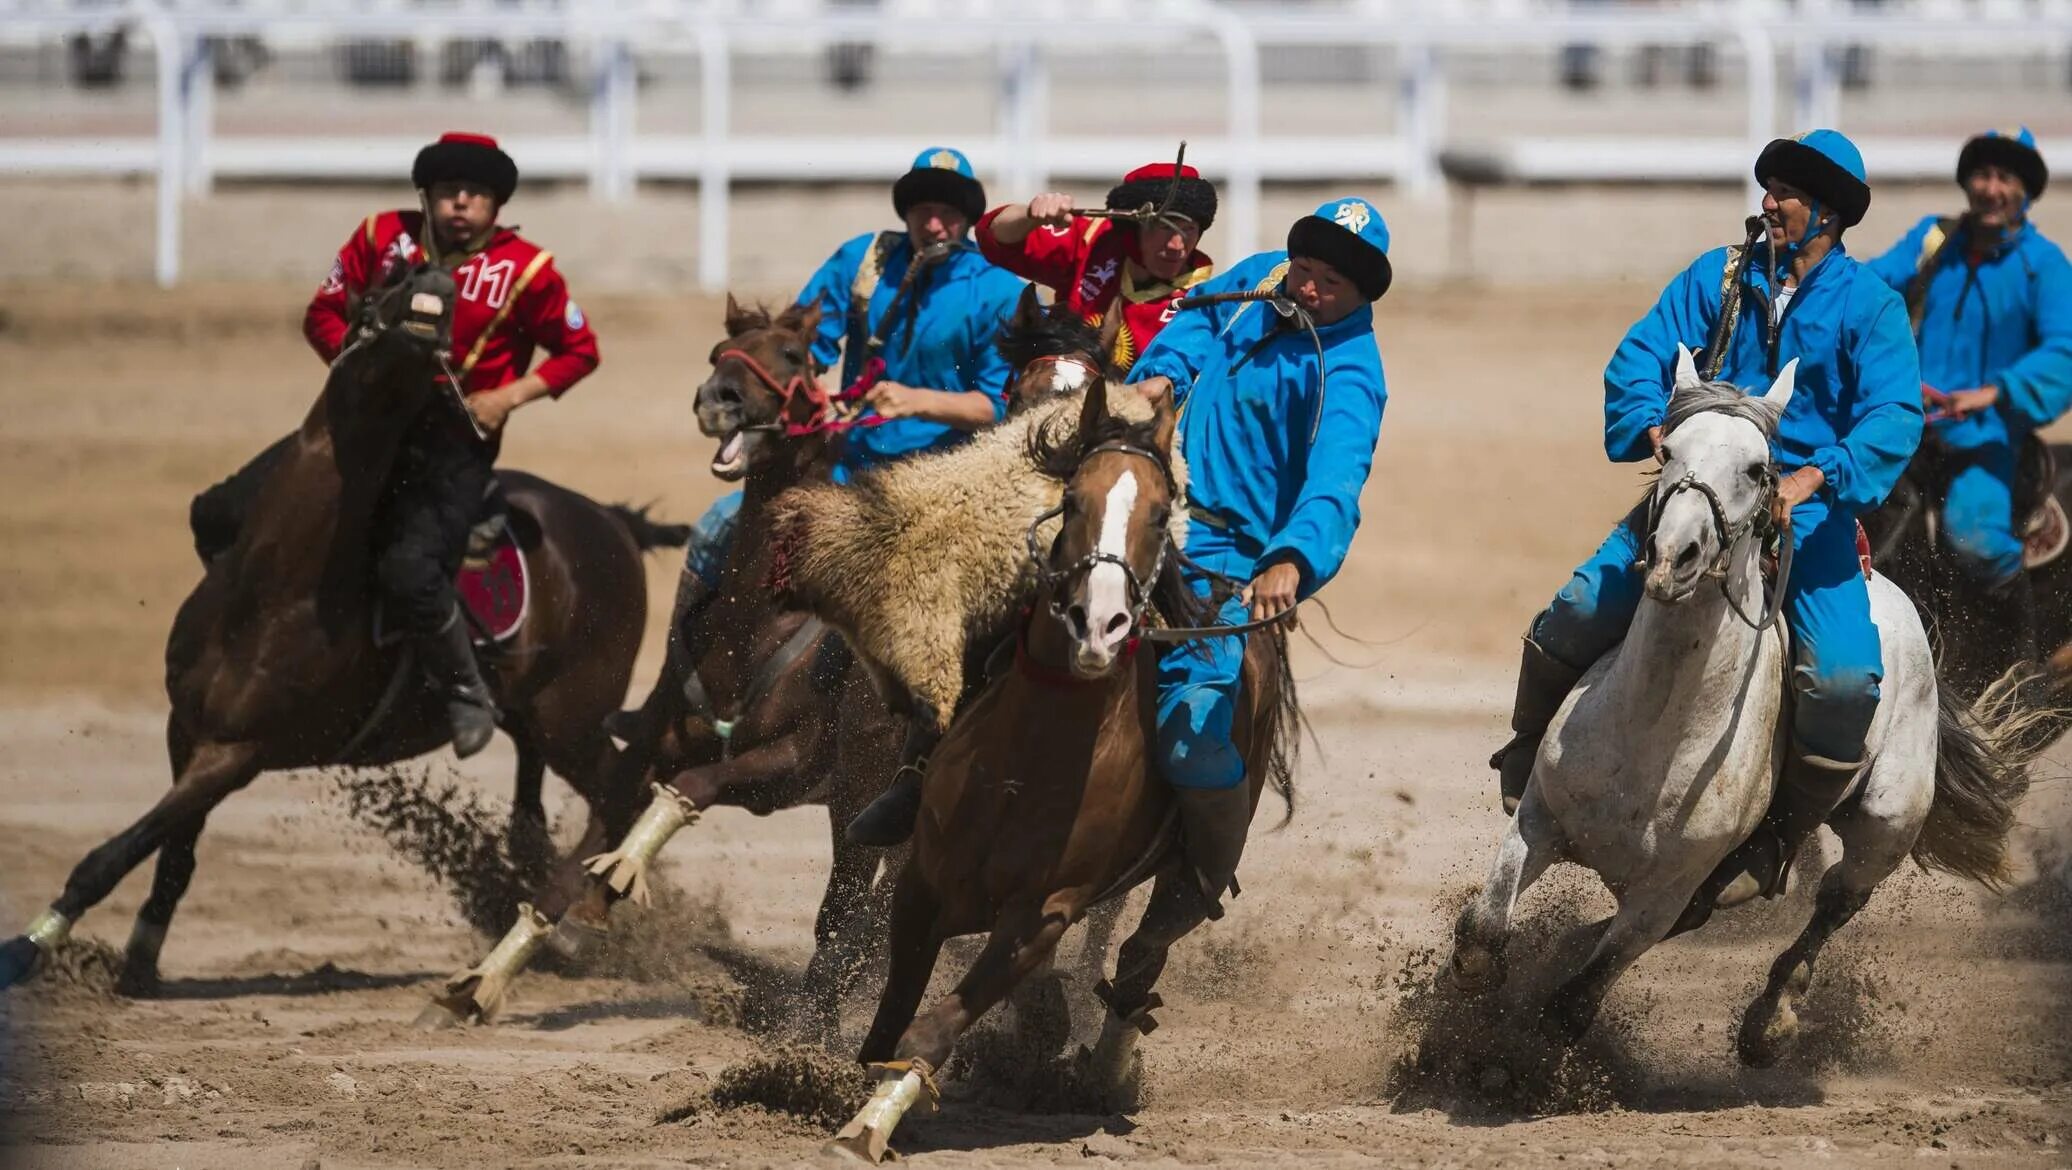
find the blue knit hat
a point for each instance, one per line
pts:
(940, 175)
(1350, 236)
(2014, 149)
(1825, 165)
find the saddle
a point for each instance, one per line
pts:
(494, 584)
(2045, 530)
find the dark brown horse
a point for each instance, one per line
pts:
(270, 663)
(1979, 640)
(758, 707)
(1045, 799)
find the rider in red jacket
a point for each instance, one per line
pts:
(511, 300)
(1091, 263)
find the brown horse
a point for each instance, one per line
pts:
(758, 707)
(1044, 797)
(270, 663)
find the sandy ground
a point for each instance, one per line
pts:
(305, 946)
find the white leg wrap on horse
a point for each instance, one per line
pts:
(901, 1084)
(48, 930)
(625, 869)
(487, 982)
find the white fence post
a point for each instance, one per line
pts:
(1420, 115)
(612, 99)
(170, 48)
(715, 84)
(198, 87)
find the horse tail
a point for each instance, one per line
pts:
(647, 533)
(1982, 760)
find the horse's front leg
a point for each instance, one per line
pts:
(1644, 919)
(1529, 846)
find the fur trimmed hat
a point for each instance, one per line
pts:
(1350, 236)
(1194, 198)
(472, 158)
(940, 175)
(1823, 164)
(2014, 149)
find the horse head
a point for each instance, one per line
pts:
(1717, 481)
(762, 388)
(1113, 547)
(1054, 351)
(402, 328)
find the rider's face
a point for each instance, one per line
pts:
(1788, 210)
(1166, 246)
(1996, 195)
(1320, 288)
(935, 223)
(461, 212)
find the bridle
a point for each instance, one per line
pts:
(801, 385)
(1139, 591)
(1729, 536)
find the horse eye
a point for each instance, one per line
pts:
(793, 354)
(1756, 471)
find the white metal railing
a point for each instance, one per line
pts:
(186, 153)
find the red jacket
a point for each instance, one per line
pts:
(509, 290)
(1090, 263)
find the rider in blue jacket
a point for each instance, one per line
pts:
(942, 376)
(1278, 446)
(1991, 303)
(1850, 430)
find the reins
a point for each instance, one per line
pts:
(824, 419)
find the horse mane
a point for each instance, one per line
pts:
(1686, 402)
(1056, 333)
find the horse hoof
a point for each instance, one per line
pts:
(574, 939)
(18, 958)
(438, 1016)
(1763, 1040)
(1476, 969)
(137, 982)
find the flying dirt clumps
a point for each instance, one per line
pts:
(458, 838)
(82, 968)
(808, 1083)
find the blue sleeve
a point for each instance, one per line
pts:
(1866, 464)
(995, 303)
(2037, 388)
(1637, 380)
(1320, 527)
(831, 286)
(1899, 263)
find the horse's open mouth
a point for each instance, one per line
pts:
(732, 461)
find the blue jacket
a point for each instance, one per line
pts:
(1856, 410)
(1270, 455)
(2005, 323)
(958, 307)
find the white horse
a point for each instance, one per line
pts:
(1665, 755)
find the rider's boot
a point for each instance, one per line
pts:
(448, 659)
(889, 820)
(1213, 823)
(1543, 682)
(1807, 794)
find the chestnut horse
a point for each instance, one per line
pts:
(757, 707)
(1044, 797)
(271, 663)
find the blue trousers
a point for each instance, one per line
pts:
(1198, 681)
(712, 537)
(1837, 661)
(1978, 514)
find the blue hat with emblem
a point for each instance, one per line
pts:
(940, 175)
(1825, 165)
(1350, 236)
(2013, 149)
